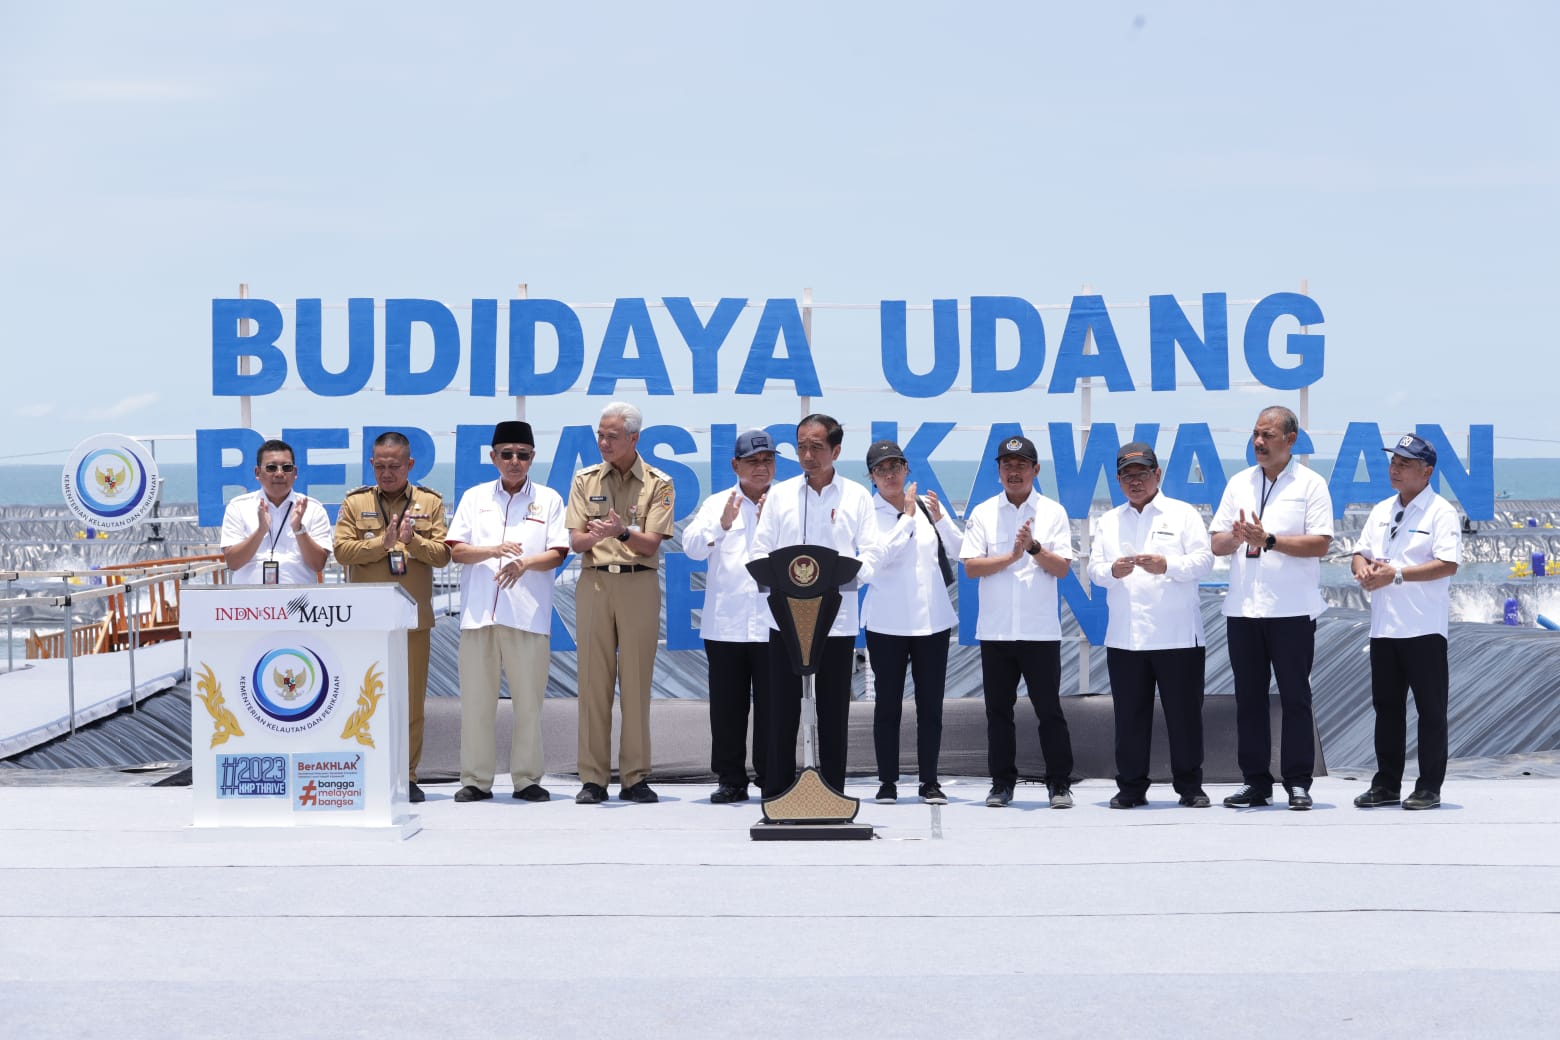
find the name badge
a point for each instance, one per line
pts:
(397, 562)
(270, 572)
(598, 498)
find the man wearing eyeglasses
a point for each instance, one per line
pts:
(1407, 553)
(509, 537)
(1148, 554)
(272, 536)
(735, 620)
(1275, 522)
(393, 530)
(619, 513)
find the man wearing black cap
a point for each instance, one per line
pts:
(1407, 553)
(1275, 522)
(735, 618)
(393, 530)
(1018, 543)
(509, 538)
(1148, 554)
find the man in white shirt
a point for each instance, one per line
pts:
(1408, 551)
(820, 507)
(272, 536)
(1017, 543)
(1148, 555)
(735, 620)
(509, 537)
(1275, 522)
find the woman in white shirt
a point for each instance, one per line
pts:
(909, 618)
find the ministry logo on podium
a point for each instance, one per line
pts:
(110, 482)
(289, 688)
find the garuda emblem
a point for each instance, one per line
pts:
(110, 481)
(804, 571)
(286, 683)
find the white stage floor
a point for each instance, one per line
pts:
(555, 920)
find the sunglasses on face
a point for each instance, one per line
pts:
(523, 456)
(283, 467)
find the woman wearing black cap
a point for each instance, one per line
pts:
(908, 618)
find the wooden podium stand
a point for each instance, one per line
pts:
(298, 706)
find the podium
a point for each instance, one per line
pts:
(803, 584)
(298, 705)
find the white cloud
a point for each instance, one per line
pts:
(125, 90)
(35, 411)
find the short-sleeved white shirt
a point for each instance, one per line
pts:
(1430, 530)
(239, 521)
(1019, 601)
(907, 596)
(1152, 611)
(735, 611)
(839, 516)
(488, 515)
(1275, 584)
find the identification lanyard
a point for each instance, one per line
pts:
(397, 558)
(270, 567)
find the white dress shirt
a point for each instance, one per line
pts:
(1152, 611)
(1275, 584)
(239, 521)
(840, 517)
(488, 515)
(907, 596)
(735, 611)
(1019, 601)
(1429, 530)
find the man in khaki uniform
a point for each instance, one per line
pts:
(619, 513)
(392, 530)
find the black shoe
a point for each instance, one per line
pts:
(640, 793)
(932, 794)
(999, 795)
(1377, 797)
(1061, 796)
(591, 794)
(414, 793)
(532, 793)
(887, 794)
(1299, 798)
(1127, 801)
(726, 794)
(1423, 800)
(1199, 800)
(472, 794)
(1248, 797)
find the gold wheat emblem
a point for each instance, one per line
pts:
(369, 695)
(224, 725)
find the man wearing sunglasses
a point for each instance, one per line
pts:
(1408, 551)
(272, 536)
(393, 530)
(509, 537)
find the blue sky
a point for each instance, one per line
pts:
(1402, 158)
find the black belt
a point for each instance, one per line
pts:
(622, 568)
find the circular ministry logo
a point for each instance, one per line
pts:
(290, 684)
(804, 571)
(110, 481)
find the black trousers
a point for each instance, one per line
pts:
(1039, 664)
(1396, 665)
(832, 690)
(739, 675)
(1179, 675)
(1261, 650)
(927, 659)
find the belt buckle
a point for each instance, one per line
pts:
(614, 568)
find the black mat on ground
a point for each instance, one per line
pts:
(680, 739)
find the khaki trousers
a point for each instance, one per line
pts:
(418, 642)
(524, 658)
(617, 621)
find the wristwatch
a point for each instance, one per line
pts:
(1397, 575)
(1034, 549)
(624, 536)
(1272, 540)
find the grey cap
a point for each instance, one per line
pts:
(751, 442)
